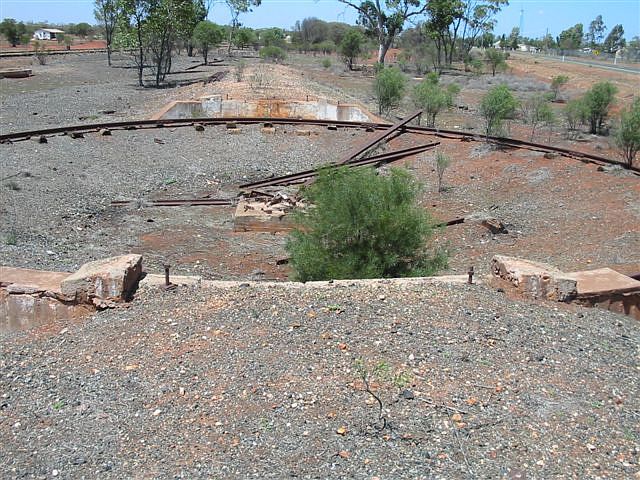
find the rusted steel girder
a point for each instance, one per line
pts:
(376, 159)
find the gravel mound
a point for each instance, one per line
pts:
(262, 382)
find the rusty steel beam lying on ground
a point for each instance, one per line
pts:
(377, 138)
(178, 202)
(376, 159)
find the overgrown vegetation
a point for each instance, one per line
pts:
(389, 87)
(627, 134)
(496, 106)
(358, 224)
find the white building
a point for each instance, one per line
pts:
(46, 33)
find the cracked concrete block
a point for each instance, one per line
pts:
(111, 280)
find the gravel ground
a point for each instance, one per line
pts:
(76, 89)
(58, 209)
(261, 382)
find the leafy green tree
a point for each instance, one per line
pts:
(362, 225)
(244, 37)
(272, 37)
(628, 132)
(351, 46)
(237, 7)
(207, 35)
(596, 31)
(441, 15)
(571, 38)
(632, 50)
(496, 106)
(389, 88)
(12, 30)
(615, 40)
(433, 98)
(385, 19)
(133, 17)
(597, 102)
(106, 12)
(496, 60)
(514, 38)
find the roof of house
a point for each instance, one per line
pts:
(50, 30)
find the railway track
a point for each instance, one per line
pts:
(74, 130)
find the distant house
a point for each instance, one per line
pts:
(46, 33)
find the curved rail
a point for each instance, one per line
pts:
(443, 133)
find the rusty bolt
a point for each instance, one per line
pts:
(470, 272)
(166, 275)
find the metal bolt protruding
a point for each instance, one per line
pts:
(166, 275)
(470, 272)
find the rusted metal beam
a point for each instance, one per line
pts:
(377, 138)
(179, 202)
(376, 159)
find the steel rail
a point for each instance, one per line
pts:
(376, 159)
(177, 202)
(444, 133)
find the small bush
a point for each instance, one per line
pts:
(11, 239)
(597, 102)
(574, 114)
(537, 111)
(40, 52)
(239, 70)
(628, 133)
(556, 83)
(389, 87)
(433, 98)
(496, 106)
(326, 63)
(496, 60)
(362, 225)
(273, 53)
(442, 163)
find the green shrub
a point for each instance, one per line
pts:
(389, 87)
(362, 225)
(496, 60)
(273, 53)
(326, 63)
(496, 106)
(597, 102)
(574, 114)
(433, 98)
(351, 46)
(628, 132)
(537, 111)
(556, 83)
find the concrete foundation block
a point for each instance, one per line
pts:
(108, 280)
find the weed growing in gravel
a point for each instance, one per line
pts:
(379, 373)
(11, 239)
(12, 185)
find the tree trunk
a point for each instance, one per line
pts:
(109, 55)
(383, 48)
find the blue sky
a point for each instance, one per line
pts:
(539, 15)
